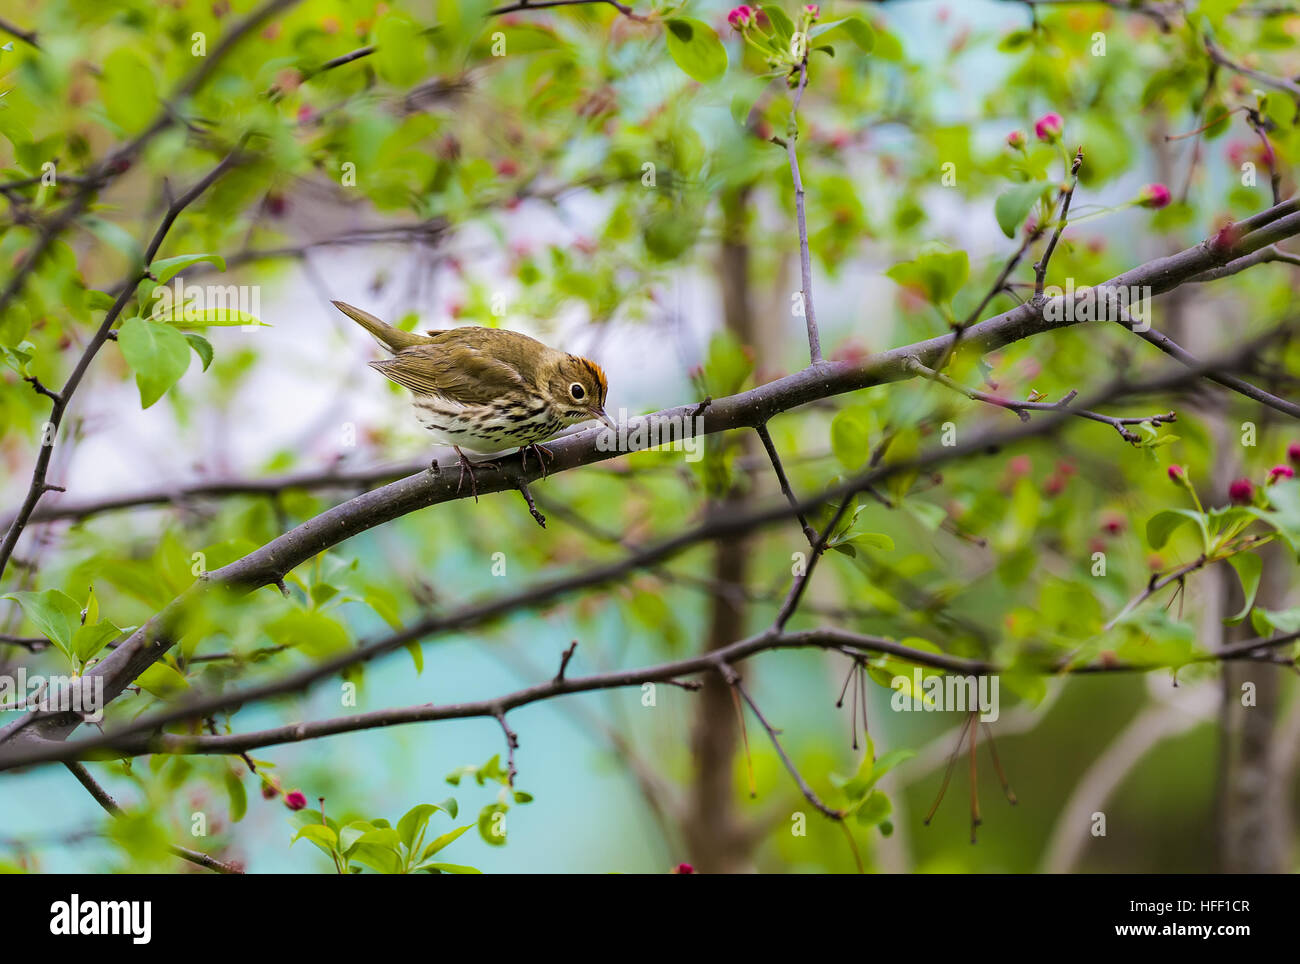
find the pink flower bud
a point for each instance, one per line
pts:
(1048, 127)
(1175, 473)
(1280, 472)
(812, 11)
(1293, 453)
(1016, 139)
(741, 17)
(295, 800)
(683, 869)
(1154, 196)
(1241, 492)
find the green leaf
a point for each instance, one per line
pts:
(450, 869)
(488, 825)
(782, 25)
(377, 857)
(164, 270)
(927, 513)
(413, 823)
(202, 347)
(875, 808)
(55, 614)
(157, 353)
(162, 681)
(1162, 525)
(696, 49)
(937, 273)
(851, 438)
(322, 836)
(89, 639)
(1013, 205)
(401, 55)
(128, 90)
(851, 28)
(873, 540)
(1249, 567)
(442, 841)
(238, 797)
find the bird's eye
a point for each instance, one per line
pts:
(577, 391)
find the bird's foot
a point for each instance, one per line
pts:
(540, 451)
(467, 468)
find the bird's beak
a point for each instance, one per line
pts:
(599, 413)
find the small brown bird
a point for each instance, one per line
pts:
(488, 389)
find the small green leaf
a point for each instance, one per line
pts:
(450, 869)
(164, 270)
(851, 438)
(202, 347)
(1162, 525)
(238, 797)
(162, 681)
(853, 28)
(319, 834)
(89, 639)
(55, 614)
(1249, 567)
(442, 841)
(128, 90)
(1013, 205)
(413, 823)
(157, 353)
(696, 49)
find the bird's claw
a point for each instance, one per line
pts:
(540, 451)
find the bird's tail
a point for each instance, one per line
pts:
(394, 339)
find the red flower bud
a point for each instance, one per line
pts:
(741, 17)
(1293, 453)
(295, 800)
(1175, 473)
(1241, 492)
(1154, 196)
(1048, 127)
(1280, 472)
(683, 869)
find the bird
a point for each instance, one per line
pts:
(488, 389)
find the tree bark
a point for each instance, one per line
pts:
(714, 831)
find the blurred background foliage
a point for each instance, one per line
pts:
(577, 184)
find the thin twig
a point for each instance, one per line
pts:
(106, 801)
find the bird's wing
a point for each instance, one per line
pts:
(466, 375)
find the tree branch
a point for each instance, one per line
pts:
(103, 798)
(60, 400)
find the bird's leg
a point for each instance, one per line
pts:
(539, 450)
(467, 467)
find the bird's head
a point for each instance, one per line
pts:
(576, 389)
